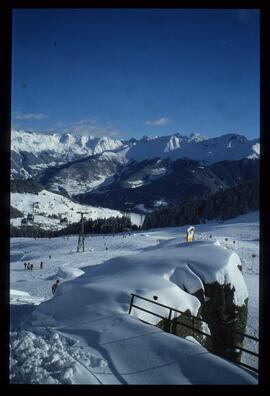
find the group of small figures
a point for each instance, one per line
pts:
(29, 266)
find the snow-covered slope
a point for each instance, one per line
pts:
(48, 208)
(84, 175)
(84, 335)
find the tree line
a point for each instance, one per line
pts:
(221, 206)
(111, 225)
(25, 186)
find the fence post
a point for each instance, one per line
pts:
(131, 303)
(169, 320)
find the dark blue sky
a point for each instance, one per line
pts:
(126, 73)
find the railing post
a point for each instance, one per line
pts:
(131, 303)
(170, 314)
(169, 320)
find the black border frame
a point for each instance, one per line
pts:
(5, 123)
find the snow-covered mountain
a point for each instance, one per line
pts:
(63, 144)
(132, 173)
(208, 151)
(31, 152)
(83, 175)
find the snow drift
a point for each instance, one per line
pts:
(172, 271)
(93, 308)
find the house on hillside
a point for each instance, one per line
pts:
(30, 217)
(36, 205)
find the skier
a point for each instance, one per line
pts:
(28, 266)
(31, 266)
(50, 256)
(41, 265)
(54, 286)
(25, 266)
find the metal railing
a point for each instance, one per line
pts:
(193, 328)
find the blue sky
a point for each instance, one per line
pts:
(133, 72)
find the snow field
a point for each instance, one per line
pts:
(88, 314)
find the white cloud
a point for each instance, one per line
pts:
(90, 127)
(82, 127)
(31, 116)
(160, 122)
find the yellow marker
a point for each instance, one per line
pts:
(190, 234)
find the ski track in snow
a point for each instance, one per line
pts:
(44, 354)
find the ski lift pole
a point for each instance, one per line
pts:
(81, 239)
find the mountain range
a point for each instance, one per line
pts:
(136, 174)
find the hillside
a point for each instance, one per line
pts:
(53, 211)
(156, 183)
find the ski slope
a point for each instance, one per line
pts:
(48, 207)
(84, 335)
